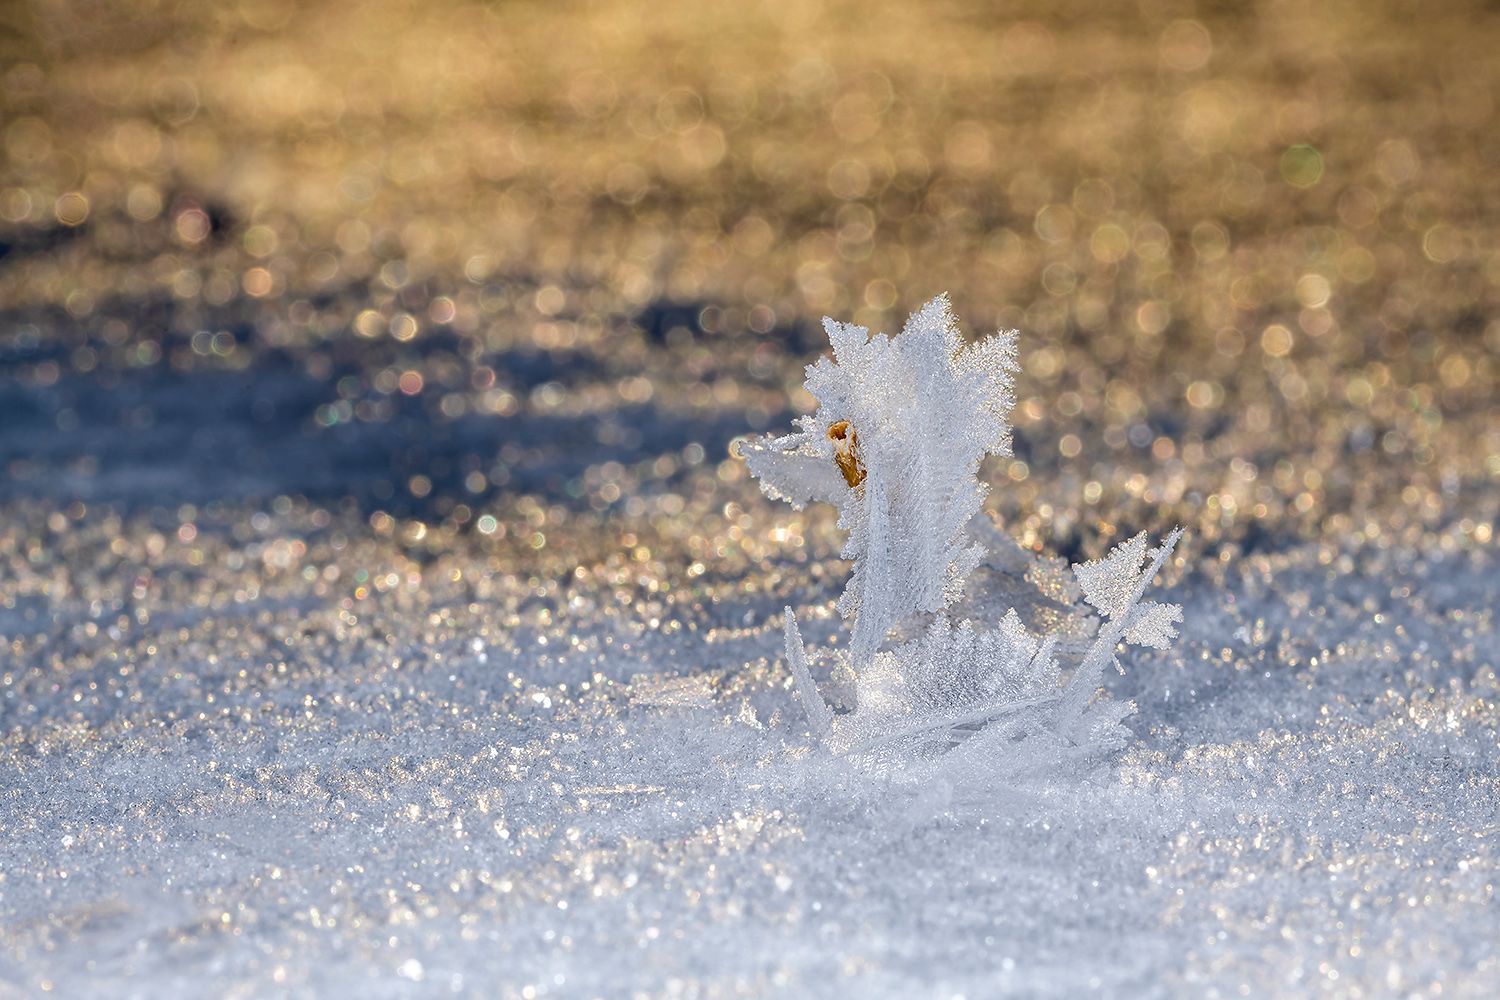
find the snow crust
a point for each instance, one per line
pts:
(594, 802)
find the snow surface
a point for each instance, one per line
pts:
(501, 787)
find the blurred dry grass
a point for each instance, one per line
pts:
(1251, 248)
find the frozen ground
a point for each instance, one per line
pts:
(223, 777)
(287, 722)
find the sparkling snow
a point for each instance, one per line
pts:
(487, 784)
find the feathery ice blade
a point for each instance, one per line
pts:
(819, 717)
(1114, 585)
(901, 427)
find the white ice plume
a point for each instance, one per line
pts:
(901, 427)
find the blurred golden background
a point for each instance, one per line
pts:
(551, 257)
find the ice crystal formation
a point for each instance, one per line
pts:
(895, 443)
(901, 426)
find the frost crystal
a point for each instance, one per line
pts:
(818, 715)
(901, 427)
(1114, 586)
